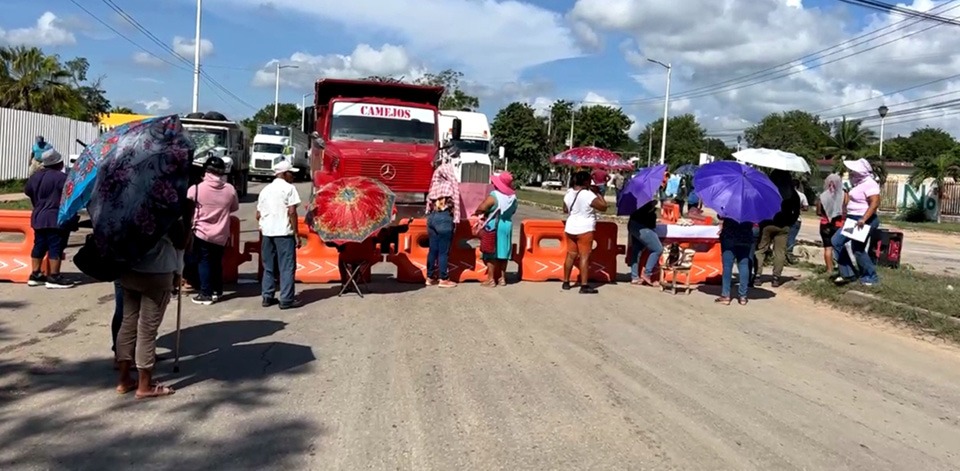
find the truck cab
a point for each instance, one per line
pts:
(274, 143)
(223, 138)
(382, 130)
(474, 164)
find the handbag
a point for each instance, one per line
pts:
(488, 237)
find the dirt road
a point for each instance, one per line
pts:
(522, 377)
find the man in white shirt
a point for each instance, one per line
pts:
(277, 215)
(795, 229)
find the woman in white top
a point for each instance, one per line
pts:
(581, 203)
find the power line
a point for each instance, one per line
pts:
(908, 12)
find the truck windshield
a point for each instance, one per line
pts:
(268, 148)
(473, 146)
(206, 139)
(273, 130)
(364, 128)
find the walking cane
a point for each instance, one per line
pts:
(176, 348)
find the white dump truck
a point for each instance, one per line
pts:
(474, 164)
(274, 143)
(215, 135)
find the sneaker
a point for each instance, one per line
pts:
(267, 302)
(296, 303)
(446, 284)
(588, 290)
(432, 282)
(565, 286)
(37, 279)
(58, 282)
(202, 300)
(216, 297)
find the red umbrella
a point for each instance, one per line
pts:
(352, 209)
(594, 157)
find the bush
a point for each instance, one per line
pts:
(912, 213)
(12, 186)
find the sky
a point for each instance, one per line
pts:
(733, 61)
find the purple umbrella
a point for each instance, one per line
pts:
(641, 189)
(737, 191)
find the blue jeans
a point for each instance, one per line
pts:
(440, 232)
(209, 266)
(792, 236)
(867, 270)
(740, 255)
(117, 312)
(643, 238)
(278, 252)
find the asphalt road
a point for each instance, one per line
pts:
(522, 377)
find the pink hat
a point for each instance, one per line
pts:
(860, 166)
(503, 182)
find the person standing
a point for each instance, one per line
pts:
(617, 180)
(599, 177)
(45, 188)
(862, 202)
(736, 247)
(277, 216)
(775, 232)
(215, 200)
(581, 204)
(642, 228)
(40, 146)
(498, 209)
(443, 214)
(830, 210)
(795, 228)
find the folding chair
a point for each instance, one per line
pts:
(353, 270)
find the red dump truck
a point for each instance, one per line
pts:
(382, 130)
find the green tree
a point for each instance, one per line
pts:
(33, 81)
(716, 147)
(517, 128)
(454, 98)
(925, 143)
(288, 114)
(849, 138)
(793, 131)
(91, 101)
(685, 140)
(601, 126)
(557, 123)
(121, 110)
(938, 169)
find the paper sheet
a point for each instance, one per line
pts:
(471, 195)
(850, 230)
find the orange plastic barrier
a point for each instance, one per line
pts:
(317, 262)
(15, 256)
(707, 262)
(232, 257)
(669, 213)
(465, 262)
(538, 263)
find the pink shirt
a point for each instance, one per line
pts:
(215, 200)
(858, 204)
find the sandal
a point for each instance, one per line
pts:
(125, 388)
(722, 300)
(743, 301)
(489, 284)
(156, 391)
(503, 282)
(636, 282)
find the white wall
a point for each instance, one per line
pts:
(19, 130)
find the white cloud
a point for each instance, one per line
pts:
(364, 61)
(489, 40)
(142, 58)
(185, 47)
(48, 31)
(155, 106)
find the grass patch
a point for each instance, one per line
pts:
(12, 186)
(540, 197)
(942, 227)
(20, 204)
(908, 287)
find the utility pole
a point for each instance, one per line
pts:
(666, 109)
(649, 146)
(276, 96)
(196, 60)
(573, 118)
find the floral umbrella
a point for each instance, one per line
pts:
(79, 187)
(352, 209)
(593, 157)
(140, 188)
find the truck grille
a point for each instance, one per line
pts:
(409, 175)
(475, 173)
(263, 164)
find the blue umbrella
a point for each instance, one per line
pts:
(737, 191)
(688, 169)
(83, 175)
(641, 189)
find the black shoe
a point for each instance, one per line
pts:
(267, 302)
(565, 286)
(588, 290)
(202, 300)
(58, 282)
(37, 279)
(296, 303)
(776, 282)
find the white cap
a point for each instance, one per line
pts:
(284, 166)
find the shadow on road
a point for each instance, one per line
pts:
(754, 293)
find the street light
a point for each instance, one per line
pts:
(196, 60)
(276, 96)
(666, 108)
(883, 114)
(303, 111)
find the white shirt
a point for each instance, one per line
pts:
(582, 217)
(804, 202)
(273, 203)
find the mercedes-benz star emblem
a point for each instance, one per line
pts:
(388, 172)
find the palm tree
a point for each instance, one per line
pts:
(938, 169)
(849, 137)
(33, 81)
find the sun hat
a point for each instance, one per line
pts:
(503, 182)
(284, 166)
(50, 158)
(860, 166)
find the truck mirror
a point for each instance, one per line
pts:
(317, 140)
(456, 130)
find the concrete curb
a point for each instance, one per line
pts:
(547, 207)
(871, 297)
(9, 197)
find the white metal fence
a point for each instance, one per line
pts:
(19, 130)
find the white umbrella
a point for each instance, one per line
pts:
(776, 159)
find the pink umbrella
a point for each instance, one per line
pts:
(593, 157)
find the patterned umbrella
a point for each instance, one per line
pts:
(80, 181)
(593, 157)
(352, 209)
(686, 170)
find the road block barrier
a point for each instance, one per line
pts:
(15, 256)
(670, 213)
(232, 256)
(465, 261)
(707, 262)
(539, 263)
